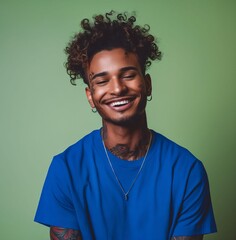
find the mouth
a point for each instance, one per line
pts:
(120, 104)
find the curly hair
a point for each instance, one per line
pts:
(106, 32)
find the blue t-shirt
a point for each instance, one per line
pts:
(169, 198)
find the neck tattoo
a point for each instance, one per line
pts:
(140, 169)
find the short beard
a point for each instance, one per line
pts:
(127, 121)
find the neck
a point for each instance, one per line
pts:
(128, 142)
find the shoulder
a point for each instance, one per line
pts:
(73, 155)
(186, 173)
(170, 150)
(169, 147)
(85, 143)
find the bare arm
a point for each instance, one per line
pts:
(200, 237)
(57, 233)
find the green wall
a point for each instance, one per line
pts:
(194, 96)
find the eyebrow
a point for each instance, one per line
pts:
(122, 70)
(101, 74)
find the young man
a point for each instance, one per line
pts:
(123, 181)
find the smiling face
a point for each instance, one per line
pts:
(117, 87)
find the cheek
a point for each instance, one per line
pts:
(97, 94)
(137, 85)
(141, 88)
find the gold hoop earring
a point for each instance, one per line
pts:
(149, 98)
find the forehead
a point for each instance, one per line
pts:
(112, 60)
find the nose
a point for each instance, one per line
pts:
(118, 87)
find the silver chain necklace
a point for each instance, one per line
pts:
(140, 169)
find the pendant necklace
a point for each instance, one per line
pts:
(140, 169)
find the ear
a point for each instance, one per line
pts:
(148, 82)
(89, 97)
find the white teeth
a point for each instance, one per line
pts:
(119, 103)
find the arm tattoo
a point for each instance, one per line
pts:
(200, 237)
(57, 233)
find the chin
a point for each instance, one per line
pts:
(125, 120)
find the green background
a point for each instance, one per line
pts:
(194, 96)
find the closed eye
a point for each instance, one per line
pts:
(128, 73)
(101, 81)
(129, 76)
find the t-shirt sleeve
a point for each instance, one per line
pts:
(196, 214)
(55, 205)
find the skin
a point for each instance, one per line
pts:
(57, 233)
(69, 234)
(115, 77)
(200, 237)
